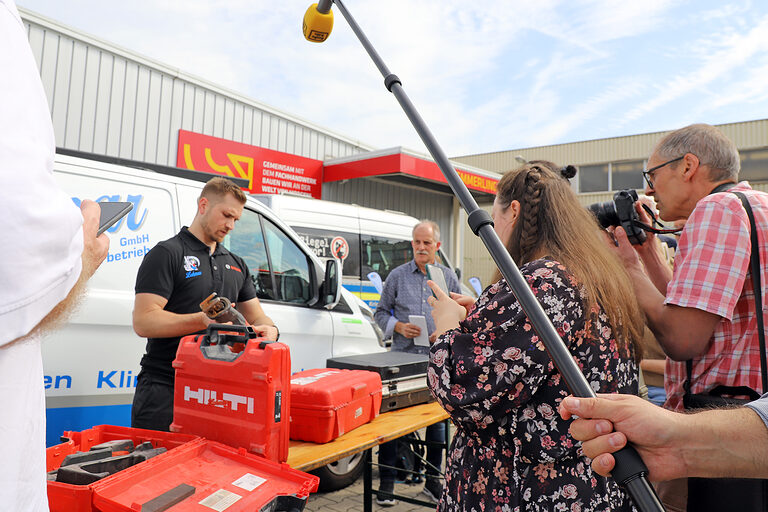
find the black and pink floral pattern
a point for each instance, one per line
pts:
(511, 450)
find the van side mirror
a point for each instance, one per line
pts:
(330, 291)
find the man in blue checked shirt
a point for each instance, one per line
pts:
(405, 293)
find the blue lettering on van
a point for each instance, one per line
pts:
(136, 252)
(57, 381)
(134, 220)
(135, 240)
(116, 379)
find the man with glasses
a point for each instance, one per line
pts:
(704, 313)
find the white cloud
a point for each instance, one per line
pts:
(486, 76)
(727, 55)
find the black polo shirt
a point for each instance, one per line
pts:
(182, 270)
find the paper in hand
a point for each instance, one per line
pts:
(421, 321)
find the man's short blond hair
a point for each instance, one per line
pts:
(217, 188)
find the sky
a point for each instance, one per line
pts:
(490, 75)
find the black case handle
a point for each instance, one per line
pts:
(227, 334)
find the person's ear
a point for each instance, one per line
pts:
(691, 166)
(202, 205)
(514, 210)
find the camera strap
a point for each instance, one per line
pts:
(723, 187)
(754, 261)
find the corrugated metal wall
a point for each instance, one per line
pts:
(107, 100)
(477, 261)
(416, 202)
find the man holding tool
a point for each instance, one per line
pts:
(175, 277)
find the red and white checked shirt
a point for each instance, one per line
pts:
(712, 274)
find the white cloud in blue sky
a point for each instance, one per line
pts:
(486, 76)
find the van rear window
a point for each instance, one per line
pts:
(327, 244)
(383, 255)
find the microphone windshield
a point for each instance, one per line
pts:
(317, 25)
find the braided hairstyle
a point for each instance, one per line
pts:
(553, 223)
(533, 186)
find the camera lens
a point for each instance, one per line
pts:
(605, 213)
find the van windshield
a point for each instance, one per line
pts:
(360, 254)
(383, 255)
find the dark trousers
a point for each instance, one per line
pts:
(152, 402)
(388, 453)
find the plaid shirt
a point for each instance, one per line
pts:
(712, 274)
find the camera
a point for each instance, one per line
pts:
(621, 212)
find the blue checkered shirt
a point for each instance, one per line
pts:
(405, 293)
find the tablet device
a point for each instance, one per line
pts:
(423, 338)
(435, 273)
(111, 212)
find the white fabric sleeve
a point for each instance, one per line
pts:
(760, 406)
(42, 231)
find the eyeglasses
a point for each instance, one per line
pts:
(647, 173)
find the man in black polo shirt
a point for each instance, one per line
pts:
(174, 278)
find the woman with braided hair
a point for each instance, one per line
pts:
(491, 372)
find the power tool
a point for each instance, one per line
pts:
(220, 309)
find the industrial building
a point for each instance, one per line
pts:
(108, 100)
(609, 165)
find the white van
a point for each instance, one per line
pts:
(92, 363)
(365, 239)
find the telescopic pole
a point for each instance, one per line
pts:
(630, 471)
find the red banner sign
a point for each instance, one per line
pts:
(267, 171)
(404, 163)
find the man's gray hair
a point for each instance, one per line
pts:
(708, 144)
(430, 223)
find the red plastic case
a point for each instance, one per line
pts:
(77, 498)
(328, 402)
(234, 389)
(216, 477)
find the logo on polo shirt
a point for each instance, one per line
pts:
(192, 266)
(232, 267)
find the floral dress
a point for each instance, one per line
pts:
(511, 450)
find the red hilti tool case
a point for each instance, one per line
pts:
(327, 402)
(66, 497)
(234, 388)
(403, 376)
(202, 476)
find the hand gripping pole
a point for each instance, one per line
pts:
(630, 471)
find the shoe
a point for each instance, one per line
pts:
(388, 501)
(433, 489)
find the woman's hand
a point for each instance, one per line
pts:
(463, 300)
(446, 312)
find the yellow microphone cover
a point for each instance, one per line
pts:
(317, 26)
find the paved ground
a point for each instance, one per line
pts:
(350, 499)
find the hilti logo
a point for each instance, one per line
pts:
(228, 400)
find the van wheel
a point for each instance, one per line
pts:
(341, 473)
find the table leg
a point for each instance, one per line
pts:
(367, 482)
